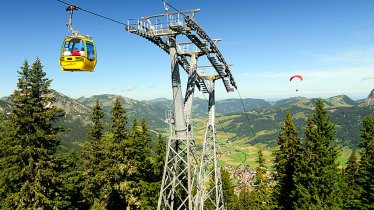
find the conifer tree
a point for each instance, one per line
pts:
(26, 166)
(351, 187)
(159, 158)
(157, 161)
(119, 121)
(118, 189)
(229, 196)
(143, 146)
(1, 125)
(94, 156)
(109, 177)
(317, 176)
(69, 181)
(134, 160)
(2, 153)
(285, 156)
(262, 197)
(96, 131)
(246, 199)
(1, 129)
(143, 179)
(366, 170)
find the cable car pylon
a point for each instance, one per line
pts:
(181, 187)
(180, 171)
(210, 191)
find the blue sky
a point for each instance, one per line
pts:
(330, 43)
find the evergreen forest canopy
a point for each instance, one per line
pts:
(120, 162)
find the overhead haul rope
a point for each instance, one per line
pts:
(224, 131)
(245, 112)
(93, 13)
(116, 21)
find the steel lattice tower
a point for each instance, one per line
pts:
(180, 188)
(180, 169)
(211, 192)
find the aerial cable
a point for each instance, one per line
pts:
(245, 112)
(236, 150)
(93, 13)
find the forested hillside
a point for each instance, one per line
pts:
(264, 117)
(265, 122)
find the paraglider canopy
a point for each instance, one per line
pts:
(296, 76)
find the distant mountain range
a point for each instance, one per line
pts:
(260, 124)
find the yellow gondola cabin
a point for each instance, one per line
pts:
(78, 53)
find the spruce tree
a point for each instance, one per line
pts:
(351, 187)
(158, 162)
(140, 157)
(1, 129)
(69, 181)
(246, 199)
(134, 158)
(105, 188)
(93, 156)
(119, 121)
(159, 158)
(2, 153)
(1, 126)
(229, 196)
(262, 194)
(317, 175)
(96, 130)
(118, 190)
(288, 145)
(366, 170)
(26, 166)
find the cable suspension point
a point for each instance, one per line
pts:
(93, 13)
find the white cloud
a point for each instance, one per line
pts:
(362, 55)
(130, 88)
(367, 78)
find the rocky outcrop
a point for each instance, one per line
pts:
(369, 101)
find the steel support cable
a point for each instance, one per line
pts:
(245, 112)
(93, 13)
(113, 20)
(224, 130)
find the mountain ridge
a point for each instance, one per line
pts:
(264, 117)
